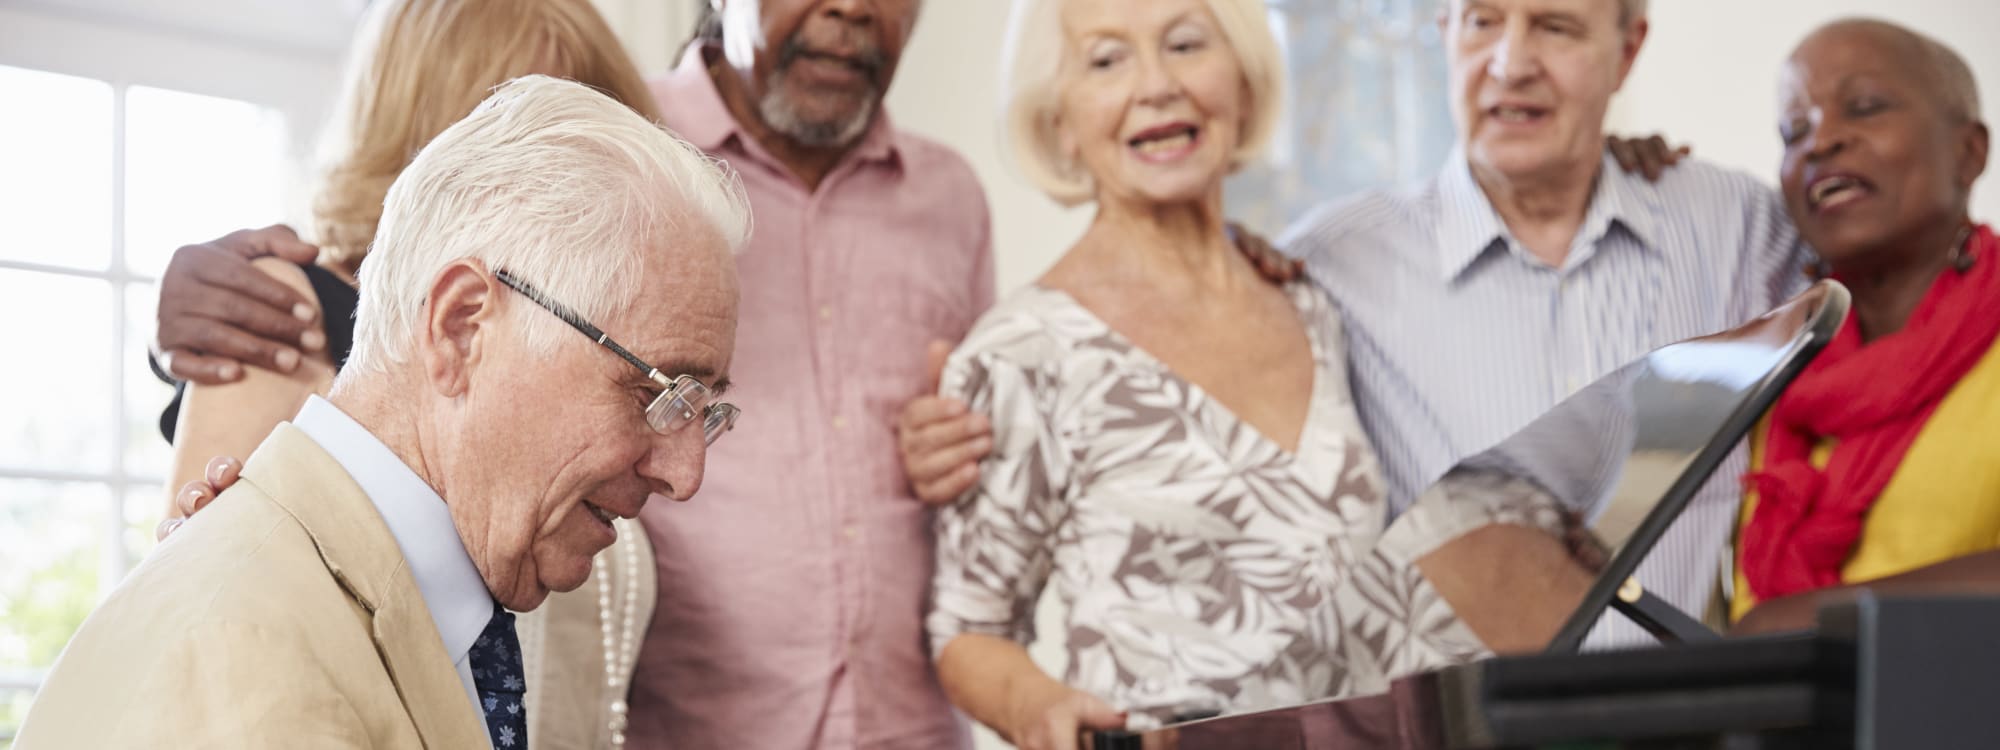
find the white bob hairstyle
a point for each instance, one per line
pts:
(1036, 60)
(553, 181)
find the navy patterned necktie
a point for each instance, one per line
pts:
(496, 673)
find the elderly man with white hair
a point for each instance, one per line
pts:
(355, 590)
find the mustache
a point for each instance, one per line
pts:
(866, 54)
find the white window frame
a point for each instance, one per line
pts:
(127, 49)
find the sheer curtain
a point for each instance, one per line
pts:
(1366, 108)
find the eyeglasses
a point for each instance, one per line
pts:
(682, 398)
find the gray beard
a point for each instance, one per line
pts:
(780, 115)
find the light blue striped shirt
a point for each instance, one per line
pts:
(1458, 336)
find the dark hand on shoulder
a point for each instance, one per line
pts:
(218, 313)
(1266, 258)
(1650, 156)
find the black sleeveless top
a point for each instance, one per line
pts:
(337, 301)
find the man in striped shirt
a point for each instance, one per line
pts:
(1531, 265)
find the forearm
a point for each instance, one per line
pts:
(991, 679)
(233, 419)
(1972, 574)
(1977, 573)
(1514, 586)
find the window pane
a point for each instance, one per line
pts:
(145, 504)
(147, 454)
(196, 167)
(52, 538)
(55, 187)
(56, 387)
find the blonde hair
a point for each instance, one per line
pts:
(418, 66)
(1038, 52)
(555, 182)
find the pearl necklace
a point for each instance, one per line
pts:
(617, 653)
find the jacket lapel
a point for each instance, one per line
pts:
(361, 553)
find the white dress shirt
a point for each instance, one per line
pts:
(456, 596)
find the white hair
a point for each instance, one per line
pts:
(552, 181)
(1034, 62)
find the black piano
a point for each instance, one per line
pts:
(1629, 453)
(1883, 674)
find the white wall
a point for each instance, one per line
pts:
(948, 88)
(1708, 76)
(651, 30)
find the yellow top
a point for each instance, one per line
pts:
(1943, 501)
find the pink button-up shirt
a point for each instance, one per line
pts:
(792, 589)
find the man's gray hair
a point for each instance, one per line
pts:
(554, 182)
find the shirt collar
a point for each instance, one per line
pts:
(1470, 227)
(458, 600)
(695, 111)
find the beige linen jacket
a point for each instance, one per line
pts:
(283, 616)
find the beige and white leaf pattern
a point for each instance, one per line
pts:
(1198, 561)
(1203, 568)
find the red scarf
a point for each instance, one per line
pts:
(1872, 401)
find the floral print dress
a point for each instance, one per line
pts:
(1204, 568)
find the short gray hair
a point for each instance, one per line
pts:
(548, 179)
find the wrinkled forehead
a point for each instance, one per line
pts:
(1581, 8)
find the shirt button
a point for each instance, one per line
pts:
(840, 423)
(826, 312)
(850, 532)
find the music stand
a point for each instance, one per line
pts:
(1679, 410)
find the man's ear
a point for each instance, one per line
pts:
(1632, 40)
(462, 305)
(1972, 160)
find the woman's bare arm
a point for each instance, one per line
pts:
(231, 419)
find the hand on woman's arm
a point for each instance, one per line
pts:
(941, 441)
(993, 680)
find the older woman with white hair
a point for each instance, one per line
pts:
(1174, 442)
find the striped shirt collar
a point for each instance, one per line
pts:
(1469, 227)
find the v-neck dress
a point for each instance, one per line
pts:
(1198, 560)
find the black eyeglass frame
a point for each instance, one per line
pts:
(675, 407)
